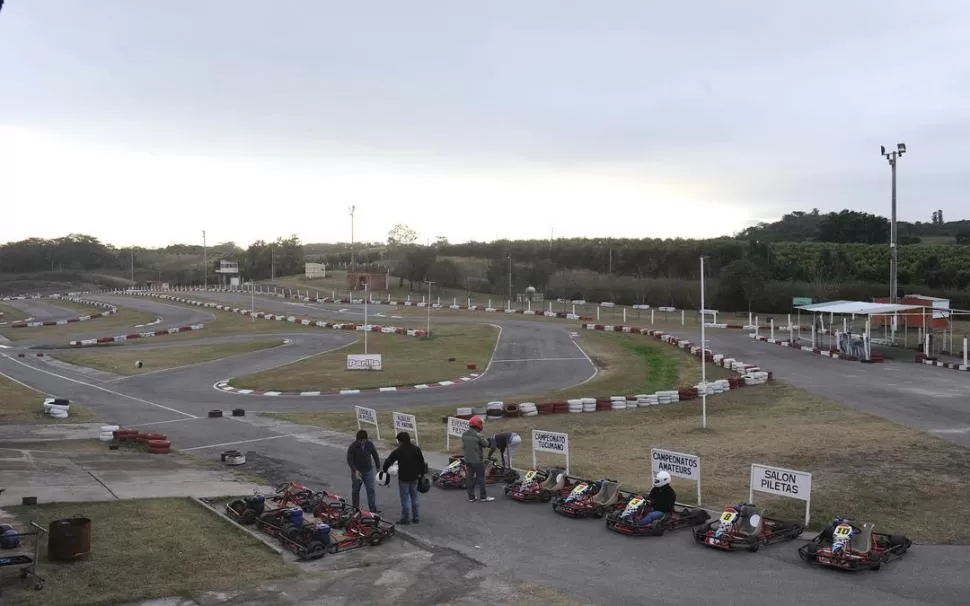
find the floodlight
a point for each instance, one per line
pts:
(882, 149)
(901, 147)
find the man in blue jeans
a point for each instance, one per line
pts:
(410, 467)
(359, 456)
(474, 442)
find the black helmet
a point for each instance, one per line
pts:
(424, 484)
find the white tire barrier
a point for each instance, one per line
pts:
(528, 409)
(495, 410)
(575, 405)
(464, 412)
(589, 404)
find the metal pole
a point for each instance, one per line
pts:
(892, 232)
(703, 354)
(132, 266)
(252, 308)
(428, 334)
(353, 258)
(205, 265)
(365, 318)
(510, 279)
(272, 263)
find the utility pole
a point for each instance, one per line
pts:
(133, 267)
(510, 278)
(353, 256)
(893, 235)
(703, 354)
(430, 284)
(272, 262)
(205, 265)
(366, 330)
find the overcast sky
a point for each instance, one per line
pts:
(147, 122)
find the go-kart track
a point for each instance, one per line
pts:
(530, 544)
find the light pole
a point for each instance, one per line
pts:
(353, 257)
(252, 305)
(510, 278)
(366, 284)
(205, 266)
(430, 284)
(132, 267)
(272, 262)
(703, 354)
(893, 236)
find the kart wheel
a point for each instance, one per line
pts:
(898, 540)
(544, 496)
(598, 512)
(333, 548)
(248, 516)
(314, 550)
(755, 546)
(375, 539)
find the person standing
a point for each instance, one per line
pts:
(474, 443)
(410, 468)
(504, 442)
(359, 456)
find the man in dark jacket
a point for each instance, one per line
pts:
(662, 498)
(410, 468)
(473, 442)
(504, 442)
(359, 456)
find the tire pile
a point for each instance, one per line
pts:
(157, 443)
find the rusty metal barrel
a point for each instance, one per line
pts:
(69, 539)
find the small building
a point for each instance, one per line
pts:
(315, 270)
(934, 313)
(228, 273)
(359, 280)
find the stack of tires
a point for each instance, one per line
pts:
(59, 408)
(644, 400)
(108, 433)
(479, 411)
(589, 404)
(511, 410)
(618, 402)
(548, 408)
(464, 413)
(495, 410)
(756, 378)
(668, 397)
(528, 409)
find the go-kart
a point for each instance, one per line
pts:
(363, 528)
(626, 520)
(742, 527)
(291, 494)
(588, 499)
(540, 485)
(849, 545)
(245, 511)
(455, 474)
(330, 508)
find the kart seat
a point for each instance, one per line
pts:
(556, 480)
(862, 542)
(607, 494)
(745, 526)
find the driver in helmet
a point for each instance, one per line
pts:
(662, 498)
(504, 442)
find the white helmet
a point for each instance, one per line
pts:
(393, 470)
(516, 440)
(662, 479)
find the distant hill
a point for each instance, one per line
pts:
(849, 226)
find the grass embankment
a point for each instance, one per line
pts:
(144, 549)
(406, 361)
(20, 405)
(862, 465)
(122, 360)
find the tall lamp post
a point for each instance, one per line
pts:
(366, 285)
(703, 353)
(132, 267)
(205, 266)
(353, 257)
(430, 284)
(892, 157)
(252, 305)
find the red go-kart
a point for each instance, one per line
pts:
(742, 527)
(588, 500)
(626, 520)
(455, 475)
(540, 485)
(849, 545)
(363, 528)
(330, 508)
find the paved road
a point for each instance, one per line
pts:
(42, 311)
(522, 541)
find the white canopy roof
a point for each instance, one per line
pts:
(856, 307)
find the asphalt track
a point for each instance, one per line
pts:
(529, 542)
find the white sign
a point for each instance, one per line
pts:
(369, 416)
(677, 464)
(666, 309)
(782, 482)
(404, 422)
(364, 362)
(550, 441)
(456, 427)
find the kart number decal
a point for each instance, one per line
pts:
(580, 489)
(729, 516)
(634, 503)
(455, 465)
(843, 531)
(529, 475)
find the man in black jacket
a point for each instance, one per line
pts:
(410, 467)
(359, 456)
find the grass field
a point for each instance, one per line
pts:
(22, 406)
(11, 314)
(122, 360)
(902, 479)
(122, 322)
(147, 548)
(406, 361)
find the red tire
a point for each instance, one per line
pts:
(158, 450)
(159, 443)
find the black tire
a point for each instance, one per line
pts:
(544, 496)
(333, 548)
(375, 539)
(754, 546)
(598, 511)
(898, 540)
(315, 549)
(248, 516)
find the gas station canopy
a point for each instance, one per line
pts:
(856, 307)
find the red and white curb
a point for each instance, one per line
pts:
(136, 335)
(409, 332)
(818, 351)
(224, 386)
(949, 365)
(108, 310)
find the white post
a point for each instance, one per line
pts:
(757, 325)
(469, 304)
(651, 317)
(365, 319)
(750, 318)
(683, 316)
(869, 338)
(845, 325)
(624, 315)
(964, 351)
(926, 345)
(508, 304)
(703, 353)
(252, 308)
(597, 313)
(489, 303)
(454, 300)
(791, 333)
(789, 320)
(574, 309)
(771, 322)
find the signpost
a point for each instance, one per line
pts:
(367, 415)
(782, 482)
(364, 361)
(677, 464)
(456, 427)
(405, 422)
(549, 441)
